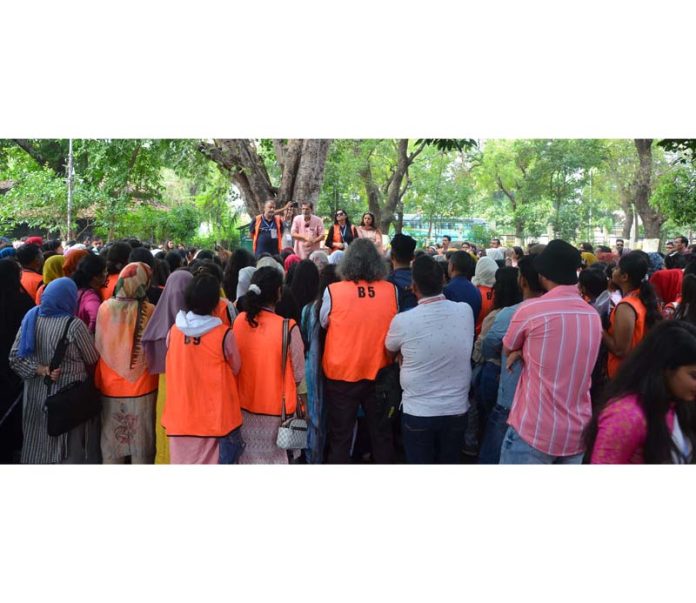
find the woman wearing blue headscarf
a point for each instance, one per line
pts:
(30, 356)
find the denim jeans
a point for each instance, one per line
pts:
(429, 440)
(515, 451)
(231, 447)
(493, 436)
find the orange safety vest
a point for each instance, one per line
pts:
(31, 281)
(260, 381)
(613, 361)
(107, 291)
(39, 293)
(279, 230)
(337, 237)
(487, 300)
(111, 384)
(202, 397)
(358, 323)
(222, 311)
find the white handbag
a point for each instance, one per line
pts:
(292, 433)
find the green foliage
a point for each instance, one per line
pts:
(449, 144)
(115, 181)
(441, 186)
(683, 148)
(675, 195)
(161, 189)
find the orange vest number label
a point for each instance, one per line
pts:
(370, 291)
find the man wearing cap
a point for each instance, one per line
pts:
(557, 336)
(401, 255)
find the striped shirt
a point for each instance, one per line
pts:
(559, 335)
(38, 446)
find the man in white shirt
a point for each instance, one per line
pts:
(435, 340)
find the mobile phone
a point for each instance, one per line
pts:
(293, 204)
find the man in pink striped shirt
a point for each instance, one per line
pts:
(558, 335)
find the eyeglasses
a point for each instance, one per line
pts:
(340, 213)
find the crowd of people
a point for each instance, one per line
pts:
(553, 354)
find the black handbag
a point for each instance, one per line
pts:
(388, 391)
(73, 404)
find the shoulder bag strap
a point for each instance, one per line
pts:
(283, 364)
(59, 354)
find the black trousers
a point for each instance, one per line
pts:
(343, 399)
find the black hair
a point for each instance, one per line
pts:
(205, 254)
(134, 243)
(527, 271)
(603, 249)
(519, 252)
(140, 254)
(10, 285)
(687, 307)
(345, 213)
(202, 294)
(305, 282)
(670, 345)
(683, 239)
(160, 255)
(174, 259)
(207, 266)
(635, 265)
(587, 247)
(286, 253)
(327, 276)
(241, 258)
(463, 264)
(449, 238)
(496, 240)
(89, 267)
(311, 205)
(287, 305)
(690, 268)
(675, 260)
(427, 276)
(368, 213)
(51, 245)
(117, 257)
(27, 253)
(506, 290)
(290, 274)
(160, 273)
(268, 280)
(593, 281)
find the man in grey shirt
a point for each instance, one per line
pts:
(435, 340)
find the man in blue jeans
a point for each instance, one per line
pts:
(435, 340)
(492, 347)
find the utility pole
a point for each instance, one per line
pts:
(70, 187)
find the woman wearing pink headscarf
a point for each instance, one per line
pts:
(290, 261)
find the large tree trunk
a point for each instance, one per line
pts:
(518, 221)
(627, 206)
(385, 201)
(652, 219)
(302, 167)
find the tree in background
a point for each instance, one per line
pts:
(502, 174)
(298, 162)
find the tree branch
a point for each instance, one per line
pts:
(416, 152)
